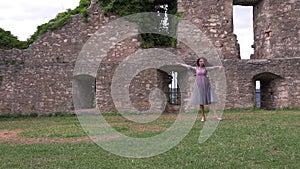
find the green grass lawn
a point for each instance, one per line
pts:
(244, 139)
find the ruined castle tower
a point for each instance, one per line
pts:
(39, 79)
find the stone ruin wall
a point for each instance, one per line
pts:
(39, 79)
(43, 82)
(279, 79)
(276, 29)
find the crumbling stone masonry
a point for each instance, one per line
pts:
(39, 79)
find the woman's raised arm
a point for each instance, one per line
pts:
(214, 67)
(185, 65)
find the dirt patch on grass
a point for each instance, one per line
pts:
(12, 137)
(145, 128)
(7, 135)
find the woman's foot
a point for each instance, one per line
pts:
(218, 118)
(203, 118)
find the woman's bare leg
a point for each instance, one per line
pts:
(213, 108)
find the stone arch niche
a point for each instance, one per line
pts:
(270, 90)
(1, 79)
(84, 91)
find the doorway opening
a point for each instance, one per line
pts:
(267, 83)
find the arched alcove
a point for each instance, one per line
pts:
(169, 78)
(84, 91)
(1, 79)
(268, 91)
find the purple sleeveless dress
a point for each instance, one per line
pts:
(202, 93)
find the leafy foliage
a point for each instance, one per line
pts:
(9, 41)
(122, 7)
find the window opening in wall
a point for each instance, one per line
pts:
(257, 94)
(173, 89)
(243, 28)
(164, 23)
(166, 26)
(267, 83)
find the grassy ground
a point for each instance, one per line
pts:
(244, 139)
